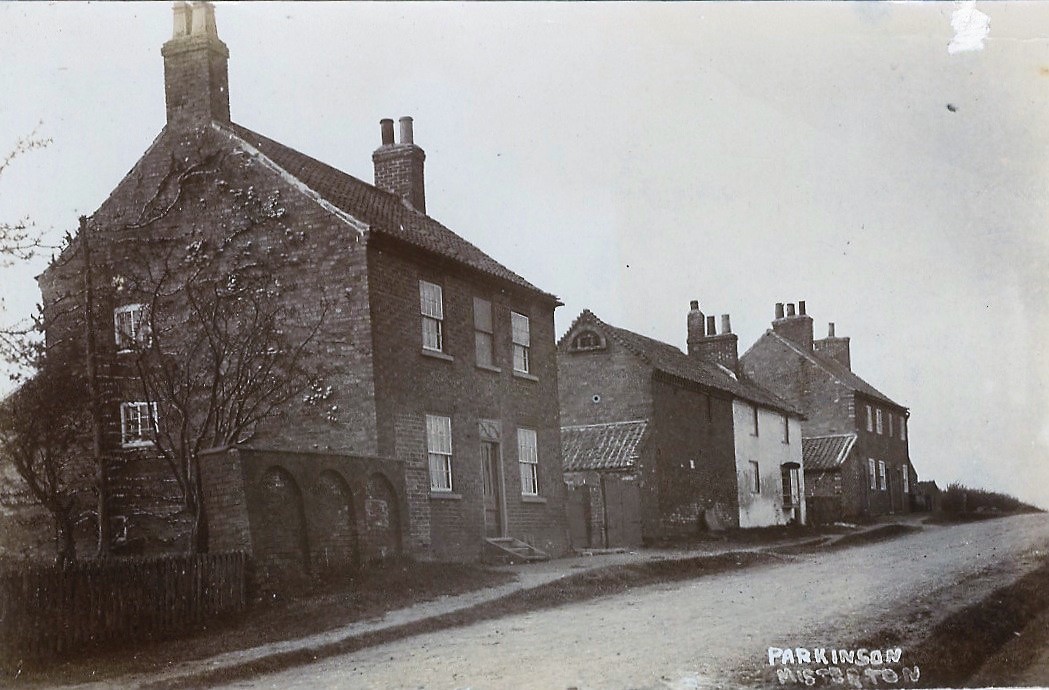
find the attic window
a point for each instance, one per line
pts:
(587, 340)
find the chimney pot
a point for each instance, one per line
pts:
(790, 309)
(712, 325)
(399, 169)
(182, 15)
(386, 127)
(830, 329)
(779, 310)
(726, 324)
(801, 308)
(694, 305)
(406, 130)
(203, 19)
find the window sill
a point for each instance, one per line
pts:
(488, 367)
(137, 444)
(445, 496)
(525, 375)
(438, 355)
(528, 498)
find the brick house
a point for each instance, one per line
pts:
(659, 443)
(436, 424)
(856, 455)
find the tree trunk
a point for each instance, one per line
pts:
(65, 543)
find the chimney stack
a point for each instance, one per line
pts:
(399, 166)
(835, 348)
(196, 75)
(696, 321)
(795, 326)
(706, 344)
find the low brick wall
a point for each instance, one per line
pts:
(303, 513)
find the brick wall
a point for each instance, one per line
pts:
(890, 449)
(300, 512)
(605, 385)
(682, 432)
(411, 384)
(199, 186)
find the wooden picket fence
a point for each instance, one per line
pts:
(50, 612)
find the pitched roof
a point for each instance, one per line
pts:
(839, 371)
(670, 360)
(826, 452)
(382, 211)
(612, 446)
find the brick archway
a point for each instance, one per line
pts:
(384, 518)
(283, 537)
(335, 528)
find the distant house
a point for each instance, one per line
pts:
(856, 454)
(435, 427)
(928, 497)
(658, 443)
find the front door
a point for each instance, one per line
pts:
(490, 479)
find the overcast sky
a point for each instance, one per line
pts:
(632, 157)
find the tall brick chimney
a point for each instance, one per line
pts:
(835, 348)
(196, 78)
(795, 326)
(399, 167)
(707, 344)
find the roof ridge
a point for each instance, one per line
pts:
(842, 435)
(675, 362)
(828, 365)
(601, 424)
(383, 212)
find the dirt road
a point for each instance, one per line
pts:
(705, 632)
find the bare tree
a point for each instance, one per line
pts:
(217, 351)
(19, 241)
(43, 425)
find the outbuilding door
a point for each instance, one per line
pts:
(622, 511)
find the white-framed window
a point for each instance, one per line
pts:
(786, 429)
(439, 451)
(138, 423)
(130, 327)
(528, 459)
(878, 422)
(881, 473)
(903, 428)
(870, 418)
(484, 341)
(906, 479)
(521, 332)
(891, 415)
(872, 472)
(755, 477)
(431, 304)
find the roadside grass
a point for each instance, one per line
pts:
(959, 645)
(972, 516)
(583, 586)
(319, 606)
(870, 536)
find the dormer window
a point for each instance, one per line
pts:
(130, 326)
(586, 340)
